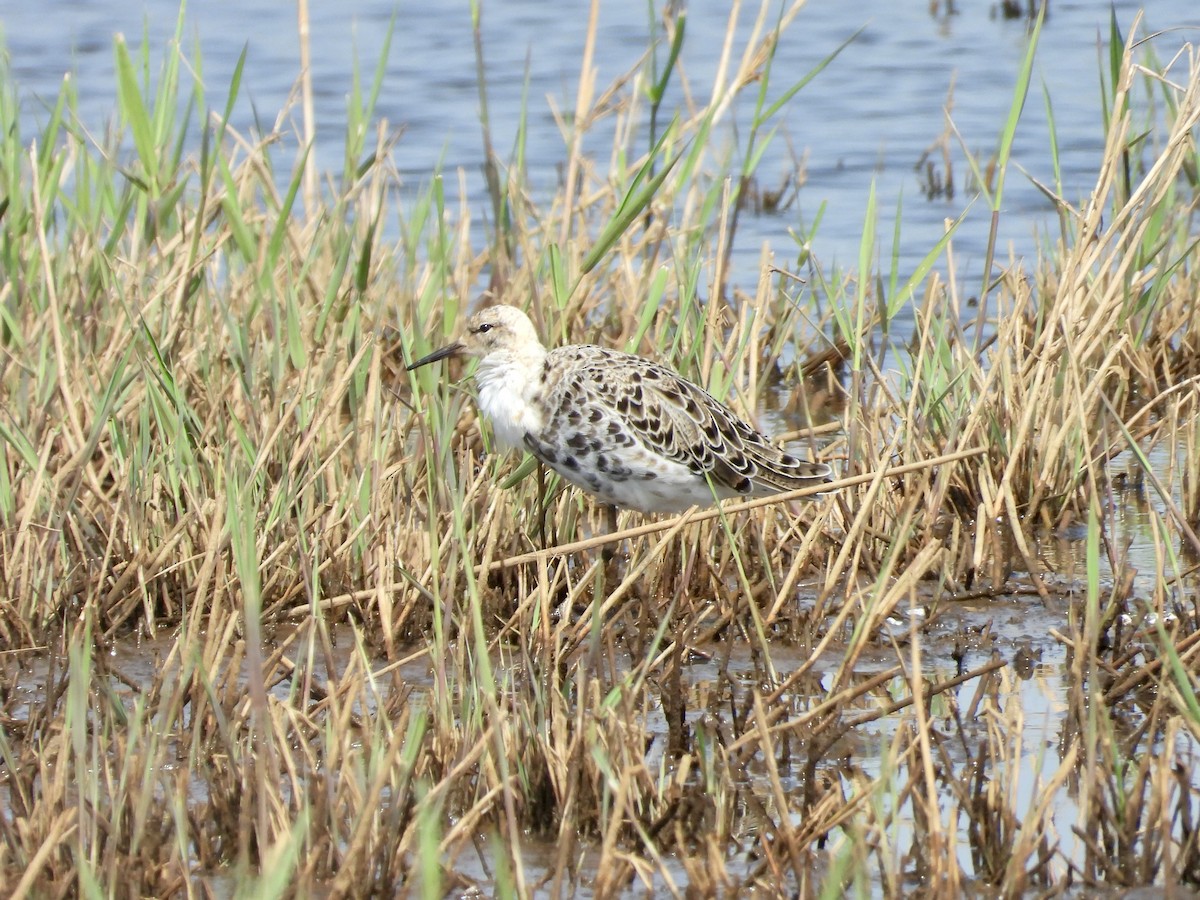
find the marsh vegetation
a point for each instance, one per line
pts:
(274, 621)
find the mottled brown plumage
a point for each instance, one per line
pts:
(622, 427)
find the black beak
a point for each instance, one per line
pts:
(448, 350)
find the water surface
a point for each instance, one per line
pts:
(867, 119)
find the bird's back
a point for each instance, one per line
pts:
(640, 435)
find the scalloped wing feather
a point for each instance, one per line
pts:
(625, 399)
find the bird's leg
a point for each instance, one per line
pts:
(610, 519)
(541, 502)
(611, 563)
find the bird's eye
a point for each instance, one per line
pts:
(484, 328)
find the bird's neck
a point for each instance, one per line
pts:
(508, 384)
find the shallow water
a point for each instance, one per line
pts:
(1028, 697)
(868, 118)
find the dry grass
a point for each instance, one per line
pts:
(363, 669)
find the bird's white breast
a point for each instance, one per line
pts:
(507, 387)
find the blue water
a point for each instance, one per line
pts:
(866, 119)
